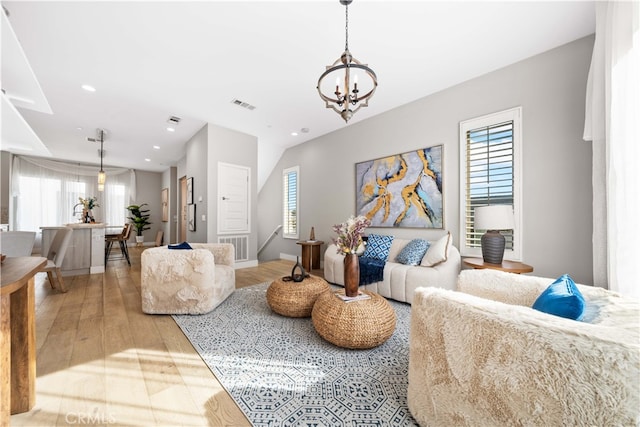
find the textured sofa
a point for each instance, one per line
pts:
(186, 281)
(400, 281)
(483, 357)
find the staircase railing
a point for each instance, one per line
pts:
(271, 236)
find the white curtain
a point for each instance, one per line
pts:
(47, 192)
(612, 122)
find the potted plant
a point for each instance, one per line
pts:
(140, 220)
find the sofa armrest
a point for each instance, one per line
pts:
(223, 253)
(476, 359)
(500, 286)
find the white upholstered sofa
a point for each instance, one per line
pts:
(483, 357)
(178, 281)
(400, 281)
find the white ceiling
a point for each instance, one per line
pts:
(152, 60)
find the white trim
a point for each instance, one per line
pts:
(245, 264)
(219, 216)
(295, 235)
(514, 114)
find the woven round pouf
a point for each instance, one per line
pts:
(355, 324)
(295, 299)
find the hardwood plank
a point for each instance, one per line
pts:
(101, 358)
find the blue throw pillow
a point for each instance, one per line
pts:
(413, 253)
(183, 245)
(562, 298)
(378, 247)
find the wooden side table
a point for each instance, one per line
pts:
(18, 335)
(310, 254)
(508, 266)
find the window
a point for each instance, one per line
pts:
(490, 174)
(49, 196)
(290, 185)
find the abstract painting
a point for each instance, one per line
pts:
(404, 190)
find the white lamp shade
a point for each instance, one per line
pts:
(494, 217)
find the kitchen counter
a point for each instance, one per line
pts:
(85, 254)
(83, 225)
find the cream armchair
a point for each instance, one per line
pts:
(482, 356)
(196, 281)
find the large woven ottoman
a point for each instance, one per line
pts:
(355, 324)
(295, 299)
(186, 281)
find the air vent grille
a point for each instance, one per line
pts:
(243, 104)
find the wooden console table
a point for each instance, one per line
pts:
(18, 335)
(310, 254)
(508, 266)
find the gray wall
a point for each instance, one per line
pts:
(170, 181)
(148, 187)
(210, 145)
(229, 146)
(5, 192)
(197, 167)
(557, 218)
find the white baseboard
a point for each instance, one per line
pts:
(293, 258)
(245, 264)
(287, 257)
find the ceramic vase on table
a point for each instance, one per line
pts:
(351, 275)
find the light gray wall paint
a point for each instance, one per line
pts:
(170, 181)
(5, 178)
(210, 145)
(557, 216)
(197, 167)
(229, 146)
(148, 186)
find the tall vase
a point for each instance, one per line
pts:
(351, 275)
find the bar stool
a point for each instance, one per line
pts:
(122, 239)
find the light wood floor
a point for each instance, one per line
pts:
(101, 361)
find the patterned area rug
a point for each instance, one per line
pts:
(282, 373)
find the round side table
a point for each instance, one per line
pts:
(355, 324)
(508, 266)
(295, 299)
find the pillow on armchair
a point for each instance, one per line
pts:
(562, 298)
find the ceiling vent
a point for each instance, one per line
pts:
(174, 120)
(243, 104)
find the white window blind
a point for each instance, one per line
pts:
(490, 164)
(290, 185)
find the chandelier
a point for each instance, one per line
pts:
(347, 71)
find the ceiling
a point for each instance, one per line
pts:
(149, 61)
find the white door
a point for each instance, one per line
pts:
(233, 198)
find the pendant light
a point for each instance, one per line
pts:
(102, 177)
(345, 72)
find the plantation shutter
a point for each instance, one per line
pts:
(290, 202)
(490, 175)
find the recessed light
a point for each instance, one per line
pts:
(170, 129)
(89, 88)
(294, 133)
(147, 160)
(156, 147)
(79, 128)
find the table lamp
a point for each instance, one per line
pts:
(492, 219)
